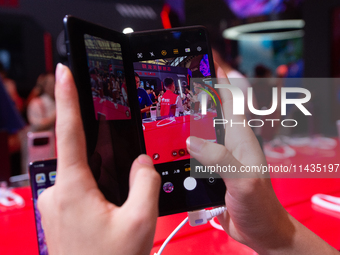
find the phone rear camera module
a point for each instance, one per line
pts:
(168, 187)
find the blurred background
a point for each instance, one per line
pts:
(258, 38)
(250, 39)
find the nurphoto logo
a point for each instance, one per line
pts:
(239, 104)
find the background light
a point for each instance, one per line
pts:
(248, 32)
(127, 30)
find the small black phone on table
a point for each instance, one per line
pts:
(105, 64)
(42, 175)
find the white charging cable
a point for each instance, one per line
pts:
(171, 236)
(326, 201)
(201, 217)
(215, 225)
(195, 218)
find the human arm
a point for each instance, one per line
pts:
(254, 217)
(77, 219)
(145, 110)
(179, 104)
(147, 101)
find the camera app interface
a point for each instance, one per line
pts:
(168, 103)
(173, 79)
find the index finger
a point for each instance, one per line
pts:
(71, 145)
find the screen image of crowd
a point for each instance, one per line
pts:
(108, 86)
(175, 89)
(107, 78)
(167, 82)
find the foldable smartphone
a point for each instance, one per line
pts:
(106, 66)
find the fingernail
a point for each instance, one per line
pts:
(145, 160)
(59, 71)
(195, 144)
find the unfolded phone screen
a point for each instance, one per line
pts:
(158, 61)
(42, 175)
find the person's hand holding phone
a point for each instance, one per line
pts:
(77, 219)
(254, 215)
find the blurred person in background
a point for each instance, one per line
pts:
(41, 112)
(37, 90)
(11, 123)
(11, 89)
